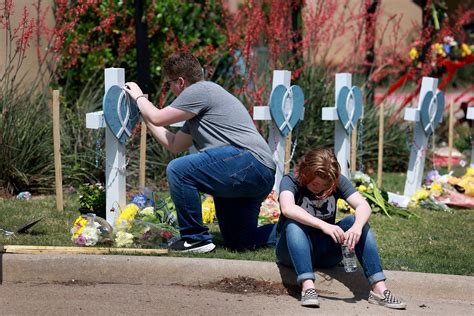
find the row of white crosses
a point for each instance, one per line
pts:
(284, 116)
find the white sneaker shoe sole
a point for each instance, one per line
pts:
(203, 249)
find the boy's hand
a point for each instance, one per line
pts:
(133, 90)
(336, 232)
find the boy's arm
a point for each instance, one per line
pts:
(175, 143)
(167, 116)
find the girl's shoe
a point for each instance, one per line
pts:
(309, 298)
(387, 300)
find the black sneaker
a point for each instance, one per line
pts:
(196, 246)
(309, 298)
(387, 300)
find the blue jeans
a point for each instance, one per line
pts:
(305, 248)
(237, 181)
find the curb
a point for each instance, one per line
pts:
(121, 269)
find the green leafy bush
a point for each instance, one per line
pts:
(92, 197)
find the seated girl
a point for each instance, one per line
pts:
(309, 236)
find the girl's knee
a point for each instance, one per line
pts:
(295, 228)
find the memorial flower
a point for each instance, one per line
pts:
(127, 215)
(269, 210)
(377, 198)
(148, 226)
(208, 210)
(344, 207)
(123, 239)
(89, 230)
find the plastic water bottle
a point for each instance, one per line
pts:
(349, 259)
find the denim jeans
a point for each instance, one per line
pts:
(305, 248)
(237, 181)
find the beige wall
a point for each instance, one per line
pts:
(29, 66)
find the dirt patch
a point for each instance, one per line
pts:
(246, 285)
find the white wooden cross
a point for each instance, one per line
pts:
(420, 140)
(276, 140)
(342, 137)
(470, 116)
(116, 162)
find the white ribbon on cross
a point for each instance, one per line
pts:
(432, 114)
(123, 122)
(287, 110)
(350, 109)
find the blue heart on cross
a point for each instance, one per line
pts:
(349, 107)
(286, 107)
(120, 112)
(431, 111)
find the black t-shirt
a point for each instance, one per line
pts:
(324, 209)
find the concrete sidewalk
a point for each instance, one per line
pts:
(442, 292)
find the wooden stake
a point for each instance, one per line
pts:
(142, 168)
(451, 136)
(381, 140)
(354, 150)
(57, 151)
(78, 250)
(287, 154)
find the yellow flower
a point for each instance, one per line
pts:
(343, 206)
(208, 210)
(127, 215)
(439, 49)
(78, 227)
(413, 53)
(465, 49)
(418, 196)
(435, 186)
(469, 172)
(362, 188)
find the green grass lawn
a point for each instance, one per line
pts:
(436, 242)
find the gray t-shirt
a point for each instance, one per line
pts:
(324, 209)
(221, 120)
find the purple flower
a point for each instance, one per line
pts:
(447, 48)
(431, 177)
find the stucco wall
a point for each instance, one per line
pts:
(29, 67)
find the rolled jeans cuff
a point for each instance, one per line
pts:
(305, 276)
(377, 277)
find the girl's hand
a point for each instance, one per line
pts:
(336, 232)
(352, 237)
(133, 90)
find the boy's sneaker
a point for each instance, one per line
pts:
(309, 298)
(387, 300)
(196, 246)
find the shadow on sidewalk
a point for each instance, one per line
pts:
(356, 283)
